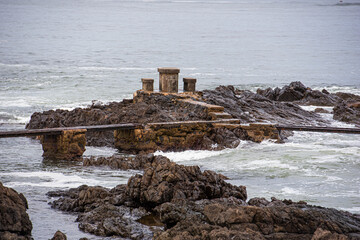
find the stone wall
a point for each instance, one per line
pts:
(191, 135)
(69, 145)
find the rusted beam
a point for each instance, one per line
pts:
(58, 131)
(319, 129)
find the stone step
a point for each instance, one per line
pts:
(210, 107)
(229, 126)
(219, 115)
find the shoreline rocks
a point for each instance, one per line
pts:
(14, 220)
(171, 201)
(346, 105)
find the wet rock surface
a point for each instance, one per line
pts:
(139, 162)
(247, 106)
(59, 236)
(275, 220)
(157, 108)
(346, 105)
(14, 221)
(349, 113)
(171, 201)
(298, 93)
(253, 107)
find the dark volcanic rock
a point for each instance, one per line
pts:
(119, 162)
(165, 181)
(252, 107)
(181, 202)
(146, 108)
(118, 211)
(298, 93)
(273, 220)
(349, 113)
(14, 221)
(59, 236)
(110, 220)
(157, 108)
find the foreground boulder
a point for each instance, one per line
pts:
(171, 201)
(14, 221)
(273, 220)
(165, 181)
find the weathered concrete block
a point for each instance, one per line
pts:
(70, 145)
(189, 84)
(147, 84)
(259, 132)
(168, 79)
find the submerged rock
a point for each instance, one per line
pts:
(14, 221)
(119, 162)
(59, 236)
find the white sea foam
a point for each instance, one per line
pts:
(99, 151)
(50, 179)
(191, 155)
(266, 164)
(14, 102)
(352, 209)
(291, 191)
(312, 108)
(335, 88)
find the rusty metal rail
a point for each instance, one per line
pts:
(111, 127)
(319, 129)
(58, 131)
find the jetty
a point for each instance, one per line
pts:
(69, 142)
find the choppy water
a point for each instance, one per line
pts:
(64, 54)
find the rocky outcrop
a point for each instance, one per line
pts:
(165, 181)
(154, 108)
(139, 162)
(269, 220)
(252, 107)
(171, 201)
(119, 211)
(222, 103)
(298, 93)
(59, 236)
(14, 221)
(349, 113)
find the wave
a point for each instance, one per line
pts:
(191, 155)
(60, 180)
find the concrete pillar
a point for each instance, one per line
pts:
(168, 79)
(189, 84)
(70, 145)
(147, 84)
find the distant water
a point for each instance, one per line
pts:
(64, 54)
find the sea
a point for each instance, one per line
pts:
(65, 54)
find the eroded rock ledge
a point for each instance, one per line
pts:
(224, 102)
(346, 105)
(171, 201)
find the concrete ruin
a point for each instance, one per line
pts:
(165, 136)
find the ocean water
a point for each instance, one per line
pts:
(64, 54)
